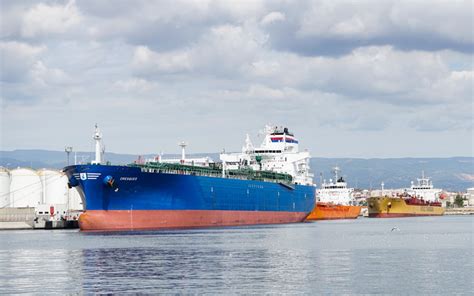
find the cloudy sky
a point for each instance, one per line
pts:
(350, 79)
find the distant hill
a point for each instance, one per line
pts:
(453, 174)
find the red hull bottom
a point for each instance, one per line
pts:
(398, 215)
(324, 211)
(156, 219)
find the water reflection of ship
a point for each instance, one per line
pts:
(209, 260)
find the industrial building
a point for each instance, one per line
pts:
(38, 195)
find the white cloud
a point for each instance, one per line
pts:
(355, 69)
(334, 28)
(134, 85)
(228, 48)
(17, 60)
(272, 17)
(21, 49)
(146, 61)
(343, 19)
(43, 19)
(455, 86)
(224, 50)
(443, 118)
(22, 63)
(265, 68)
(43, 75)
(379, 73)
(450, 19)
(261, 92)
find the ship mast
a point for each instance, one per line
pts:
(183, 151)
(98, 151)
(336, 171)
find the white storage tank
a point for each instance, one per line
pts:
(75, 201)
(25, 188)
(5, 180)
(54, 187)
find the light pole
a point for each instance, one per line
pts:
(68, 150)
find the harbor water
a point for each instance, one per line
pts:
(422, 255)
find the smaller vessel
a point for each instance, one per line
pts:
(419, 200)
(335, 201)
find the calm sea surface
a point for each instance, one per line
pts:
(432, 255)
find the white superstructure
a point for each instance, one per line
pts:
(424, 189)
(336, 192)
(278, 153)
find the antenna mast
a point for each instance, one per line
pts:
(183, 151)
(98, 151)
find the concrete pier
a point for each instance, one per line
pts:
(17, 218)
(460, 211)
(25, 218)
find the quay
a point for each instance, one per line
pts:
(460, 211)
(26, 218)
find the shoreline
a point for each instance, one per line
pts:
(459, 211)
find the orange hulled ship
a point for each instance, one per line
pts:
(335, 201)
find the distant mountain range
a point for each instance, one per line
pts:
(453, 174)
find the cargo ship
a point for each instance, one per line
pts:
(266, 185)
(418, 200)
(335, 201)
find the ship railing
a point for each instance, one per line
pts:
(242, 174)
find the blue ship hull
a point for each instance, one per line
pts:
(143, 200)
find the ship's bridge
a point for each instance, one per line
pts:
(278, 153)
(279, 139)
(425, 189)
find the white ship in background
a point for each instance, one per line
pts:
(424, 189)
(336, 191)
(335, 200)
